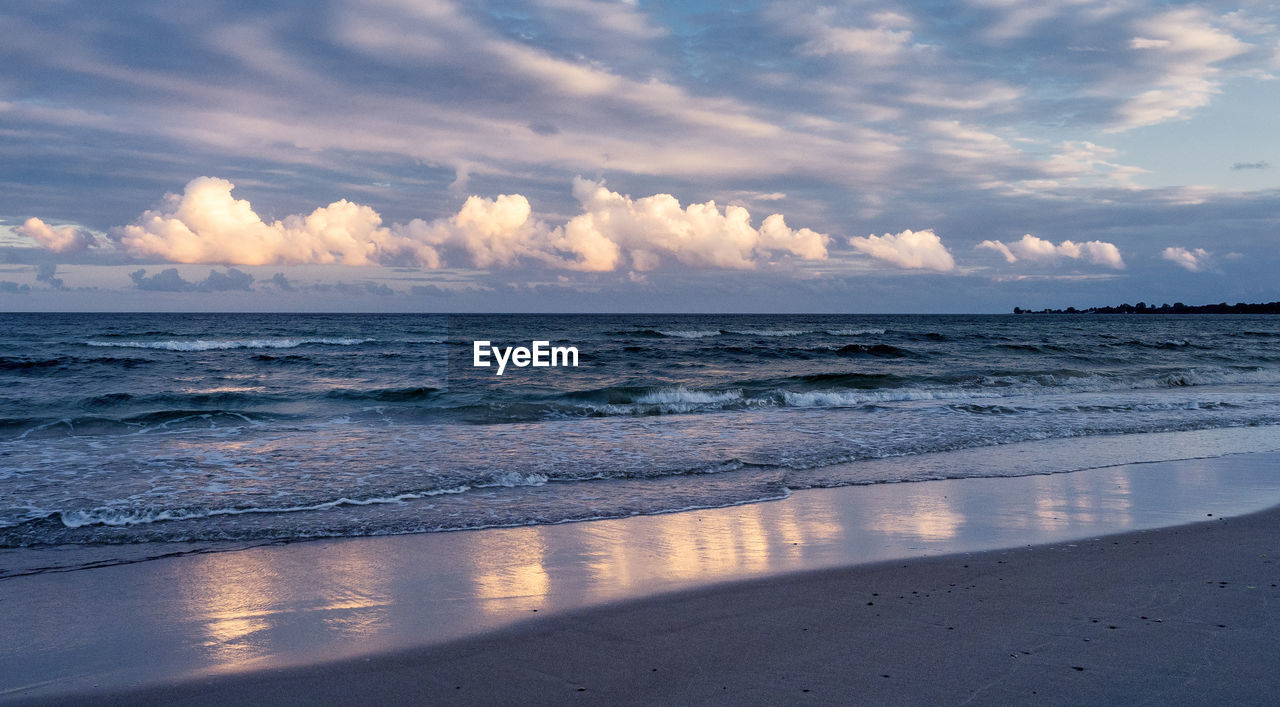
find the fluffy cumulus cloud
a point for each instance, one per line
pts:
(1039, 250)
(207, 224)
(614, 230)
(912, 250)
(1194, 259)
(67, 239)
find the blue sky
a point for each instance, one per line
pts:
(582, 155)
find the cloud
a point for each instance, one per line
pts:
(1251, 165)
(615, 230)
(45, 272)
(283, 283)
(9, 287)
(913, 250)
(354, 289)
(1195, 259)
(496, 232)
(169, 280)
(67, 239)
(206, 224)
(1180, 49)
(1039, 250)
(232, 279)
(165, 281)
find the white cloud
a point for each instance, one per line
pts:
(498, 232)
(878, 45)
(67, 239)
(206, 224)
(913, 250)
(1181, 48)
(882, 43)
(614, 228)
(1077, 161)
(1040, 250)
(1195, 259)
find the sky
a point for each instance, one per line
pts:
(590, 155)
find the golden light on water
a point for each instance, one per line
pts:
(509, 571)
(231, 596)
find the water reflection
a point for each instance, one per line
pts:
(509, 573)
(921, 517)
(239, 600)
(684, 548)
(354, 598)
(231, 597)
(248, 607)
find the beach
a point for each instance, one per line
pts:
(314, 508)
(426, 351)
(1145, 618)
(1057, 588)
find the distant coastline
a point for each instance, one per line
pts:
(1166, 308)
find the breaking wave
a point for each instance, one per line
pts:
(225, 344)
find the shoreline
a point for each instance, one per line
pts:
(1148, 616)
(317, 603)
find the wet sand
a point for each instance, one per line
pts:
(828, 591)
(1173, 615)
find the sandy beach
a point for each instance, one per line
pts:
(828, 591)
(1173, 615)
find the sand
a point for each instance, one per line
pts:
(1156, 615)
(1151, 617)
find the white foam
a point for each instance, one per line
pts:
(512, 479)
(690, 334)
(118, 517)
(854, 332)
(223, 344)
(668, 396)
(770, 332)
(852, 398)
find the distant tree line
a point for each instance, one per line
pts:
(1166, 308)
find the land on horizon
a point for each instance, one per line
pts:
(1166, 308)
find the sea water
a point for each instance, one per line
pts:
(122, 429)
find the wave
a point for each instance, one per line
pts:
(691, 334)
(155, 421)
(822, 390)
(124, 517)
(882, 350)
(285, 359)
(124, 413)
(1167, 344)
(768, 332)
(704, 333)
(810, 352)
(387, 395)
(1124, 407)
(226, 344)
(207, 401)
(26, 363)
(853, 332)
(23, 364)
(858, 390)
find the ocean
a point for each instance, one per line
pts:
(121, 431)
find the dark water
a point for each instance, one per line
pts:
(135, 428)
